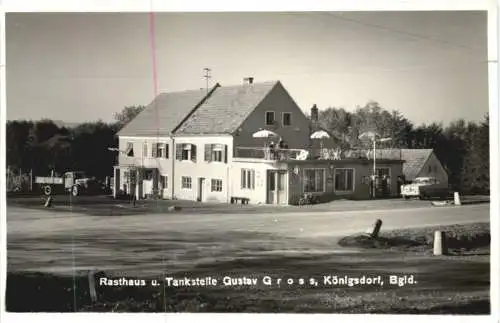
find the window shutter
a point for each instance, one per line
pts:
(208, 152)
(243, 177)
(154, 150)
(225, 154)
(166, 151)
(193, 153)
(178, 151)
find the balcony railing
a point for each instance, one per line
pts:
(392, 154)
(270, 154)
(139, 161)
(309, 154)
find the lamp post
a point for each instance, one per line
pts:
(374, 137)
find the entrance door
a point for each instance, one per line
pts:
(281, 188)
(271, 187)
(276, 187)
(201, 189)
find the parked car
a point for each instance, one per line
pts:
(425, 188)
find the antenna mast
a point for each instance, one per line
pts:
(207, 76)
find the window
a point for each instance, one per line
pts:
(383, 171)
(148, 175)
(344, 179)
(145, 150)
(287, 119)
(248, 179)
(314, 180)
(216, 153)
(129, 151)
(185, 152)
(216, 185)
(270, 118)
(186, 182)
(160, 150)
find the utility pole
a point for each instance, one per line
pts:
(207, 76)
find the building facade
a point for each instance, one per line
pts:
(200, 145)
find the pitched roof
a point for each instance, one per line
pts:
(165, 113)
(415, 160)
(226, 109)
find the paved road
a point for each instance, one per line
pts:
(41, 223)
(41, 240)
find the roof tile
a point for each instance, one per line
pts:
(164, 114)
(226, 109)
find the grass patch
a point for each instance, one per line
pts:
(460, 239)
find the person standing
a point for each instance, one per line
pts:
(272, 150)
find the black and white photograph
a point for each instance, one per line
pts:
(331, 162)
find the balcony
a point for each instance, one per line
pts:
(140, 162)
(311, 154)
(269, 154)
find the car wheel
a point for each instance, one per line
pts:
(47, 190)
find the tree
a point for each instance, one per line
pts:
(17, 144)
(30, 145)
(90, 152)
(338, 123)
(483, 151)
(462, 148)
(475, 168)
(127, 114)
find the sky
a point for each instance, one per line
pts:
(431, 66)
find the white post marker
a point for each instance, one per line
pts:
(457, 198)
(440, 243)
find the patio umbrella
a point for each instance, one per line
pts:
(320, 134)
(265, 134)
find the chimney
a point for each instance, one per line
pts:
(314, 113)
(248, 80)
